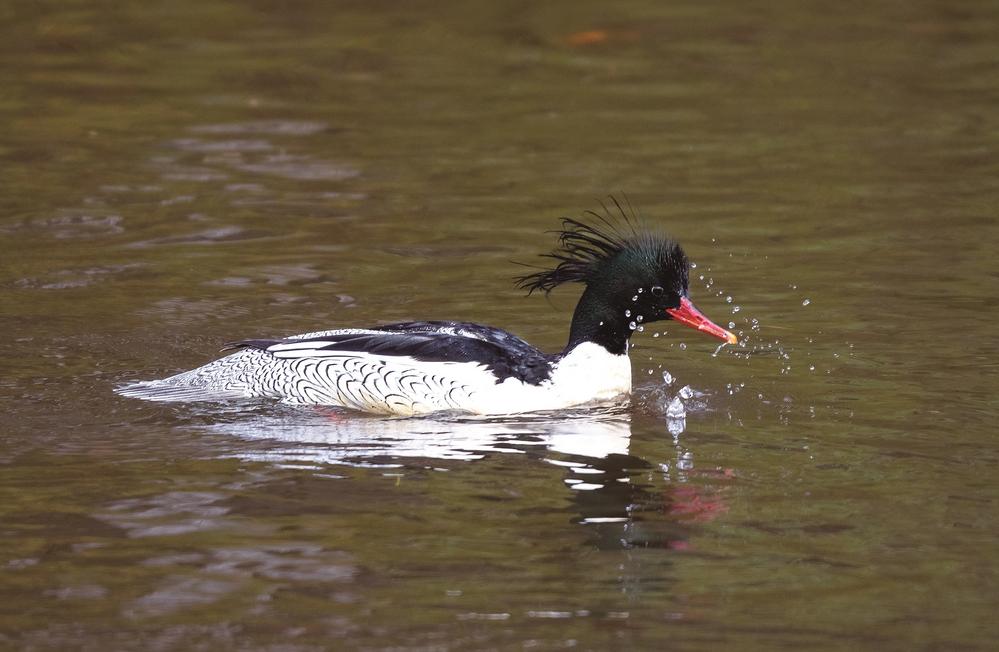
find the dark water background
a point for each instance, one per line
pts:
(179, 175)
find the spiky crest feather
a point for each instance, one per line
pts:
(583, 247)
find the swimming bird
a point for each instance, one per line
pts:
(632, 275)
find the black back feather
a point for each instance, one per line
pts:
(505, 354)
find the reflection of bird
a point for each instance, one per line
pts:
(322, 436)
(631, 275)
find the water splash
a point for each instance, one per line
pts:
(676, 408)
(676, 417)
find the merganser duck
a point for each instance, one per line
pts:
(632, 275)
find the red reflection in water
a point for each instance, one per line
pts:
(696, 504)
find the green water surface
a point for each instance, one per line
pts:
(180, 175)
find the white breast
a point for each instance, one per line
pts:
(588, 374)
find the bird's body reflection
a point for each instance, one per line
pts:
(330, 436)
(624, 499)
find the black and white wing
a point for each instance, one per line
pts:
(503, 354)
(410, 368)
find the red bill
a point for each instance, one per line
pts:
(688, 315)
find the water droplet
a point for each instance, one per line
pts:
(686, 461)
(639, 319)
(632, 325)
(728, 299)
(686, 392)
(641, 329)
(806, 302)
(627, 313)
(731, 324)
(634, 298)
(655, 335)
(683, 346)
(667, 378)
(640, 290)
(736, 309)
(811, 367)
(693, 265)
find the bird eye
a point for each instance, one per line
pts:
(657, 290)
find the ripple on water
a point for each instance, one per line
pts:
(324, 201)
(237, 145)
(76, 278)
(177, 199)
(222, 571)
(193, 173)
(78, 592)
(297, 167)
(214, 235)
(298, 562)
(245, 188)
(72, 224)
(277, 275)
(172, 513)
(270, 127)
(179, 593)
(120, 188)
(179, 311)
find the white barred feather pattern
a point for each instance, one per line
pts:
(304, 376)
